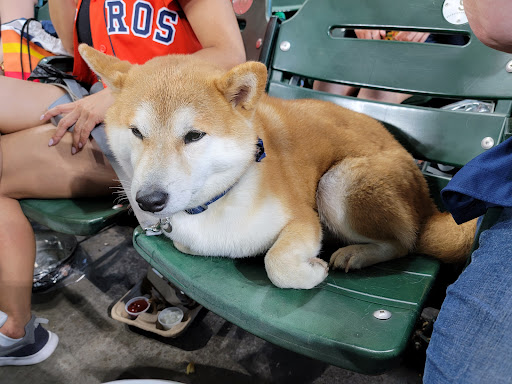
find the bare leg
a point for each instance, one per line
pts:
(336, 89)
(382, 221)
(16, 267)
(388, 97)
(29, 168)
(23, 103)
(364, 93)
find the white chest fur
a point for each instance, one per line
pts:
(240, 224)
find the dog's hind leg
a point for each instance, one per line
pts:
(367, 204)
(357, 256)
(292, 261)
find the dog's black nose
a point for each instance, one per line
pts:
(152, 202)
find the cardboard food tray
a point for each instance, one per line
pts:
(149, 320)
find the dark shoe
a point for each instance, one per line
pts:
(37, 345)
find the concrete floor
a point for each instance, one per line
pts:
(94, 348)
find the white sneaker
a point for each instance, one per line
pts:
(37, 345)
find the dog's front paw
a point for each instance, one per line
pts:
(303, 275)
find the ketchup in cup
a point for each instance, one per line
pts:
(136, 306)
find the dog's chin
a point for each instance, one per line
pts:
(168, 212)
(171, 210)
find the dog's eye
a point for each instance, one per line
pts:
(136, 132)
(194, 136)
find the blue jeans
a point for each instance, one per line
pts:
(472, 338)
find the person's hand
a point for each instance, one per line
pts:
(415, 37)
(85, 113)
(370, 34)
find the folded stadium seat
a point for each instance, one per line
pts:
(361, 320)
(81, 217)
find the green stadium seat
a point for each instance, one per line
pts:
(80, 217)
(362, 320)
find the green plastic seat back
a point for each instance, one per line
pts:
(310, 45)
(361, 320)
(470, 71)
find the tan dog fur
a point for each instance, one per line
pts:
(326, 167)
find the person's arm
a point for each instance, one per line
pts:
(62, 14)
(215, 25)
(490, 21)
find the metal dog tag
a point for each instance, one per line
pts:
(153, 230)
(165, 224)
(156, 229)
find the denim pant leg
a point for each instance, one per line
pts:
(472, 338)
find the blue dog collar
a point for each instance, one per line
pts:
(260, 151)
(260, 155)
(204, 207)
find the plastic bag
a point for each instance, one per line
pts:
(56, 265)
(471, 106)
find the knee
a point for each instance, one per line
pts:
(3, 178)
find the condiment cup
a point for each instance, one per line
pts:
(175, 312)
(133, 313)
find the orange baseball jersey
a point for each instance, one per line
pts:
(136, 31)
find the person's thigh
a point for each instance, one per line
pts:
(23, 102)
(472, 338)
(31, 169)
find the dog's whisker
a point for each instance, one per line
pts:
(119, 188)
(120, 194)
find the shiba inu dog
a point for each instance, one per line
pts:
(193, 140)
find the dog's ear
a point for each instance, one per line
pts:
(244, 84)
(110, 69)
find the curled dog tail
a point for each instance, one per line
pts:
(443, 239)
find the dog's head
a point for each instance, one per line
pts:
(180, 127)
